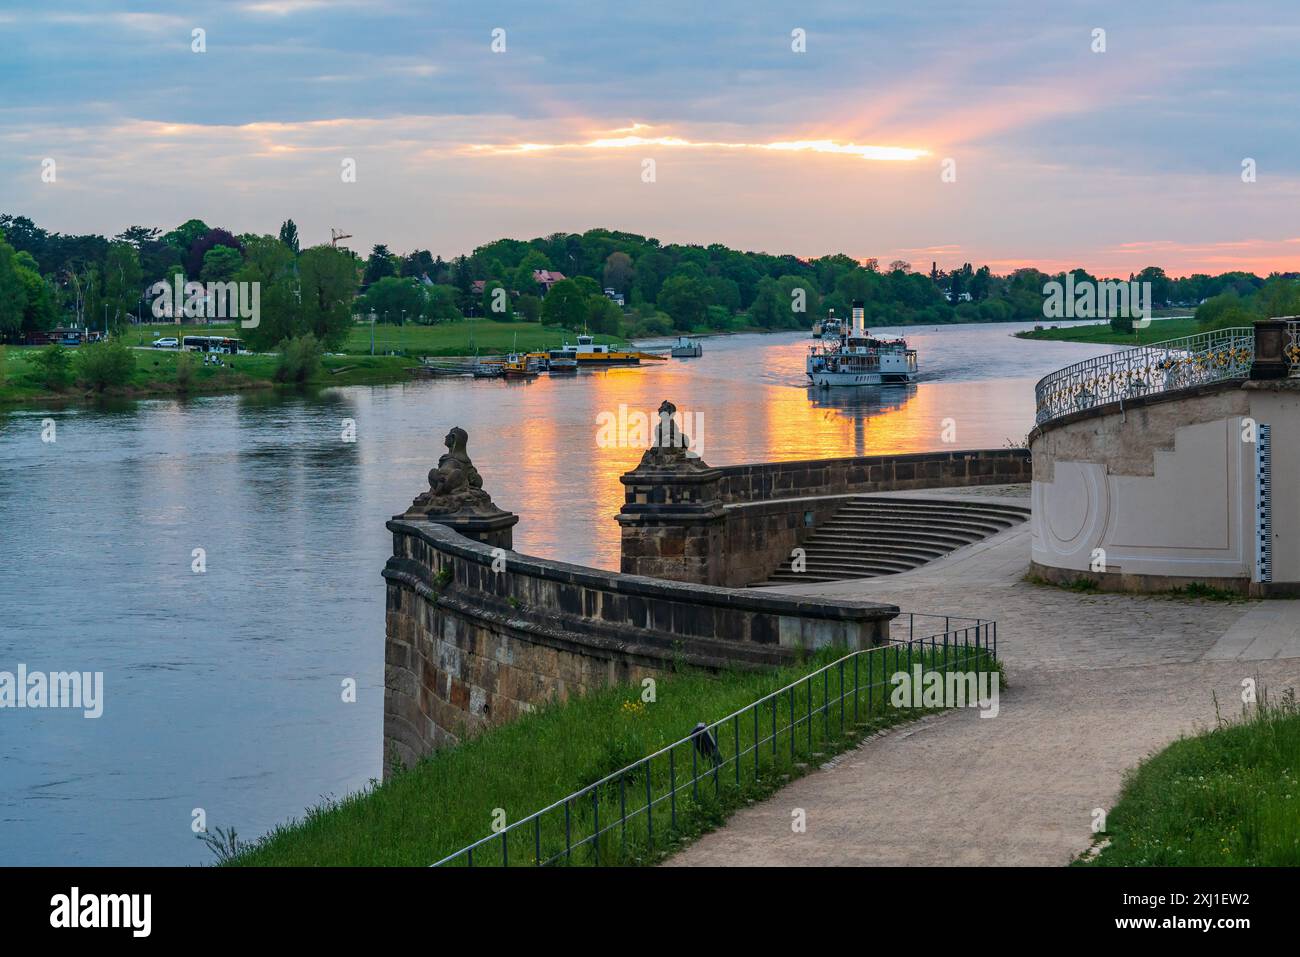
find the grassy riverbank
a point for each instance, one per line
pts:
(155, 374)
(1103, 334)
(1226, 798)
(462, 338)
(449, 800)
(155, 369)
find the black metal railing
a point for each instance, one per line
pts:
(634, 813)
(1146, 370)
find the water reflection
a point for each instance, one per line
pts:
(222, 688)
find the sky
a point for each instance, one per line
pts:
(984, 132)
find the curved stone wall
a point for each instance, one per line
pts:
(477, 635)
(735, 524)
(1162, 491)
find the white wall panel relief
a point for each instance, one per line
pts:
(1070, 515)
(1193, 517)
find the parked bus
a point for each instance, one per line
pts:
(223, 344)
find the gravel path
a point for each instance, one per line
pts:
(1097, 682)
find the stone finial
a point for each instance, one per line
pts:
(669, 447)
(455, 487)
(667, 434)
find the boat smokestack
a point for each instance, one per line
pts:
(859, 320)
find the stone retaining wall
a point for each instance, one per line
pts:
(478, 635)
(759, 512)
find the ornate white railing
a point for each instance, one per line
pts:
(1149, 370)
(1292, 347)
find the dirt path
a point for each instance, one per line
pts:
(1097, 683)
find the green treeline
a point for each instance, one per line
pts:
(571, 280)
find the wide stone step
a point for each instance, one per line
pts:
(786, 577)
(867, 527)
(951, 505)
(866, 536)
(908, 511)
(850, 550)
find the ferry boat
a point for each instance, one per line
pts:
(854, 357)
(588, 353)
(828, 328)
(687, 348)
(518, 367)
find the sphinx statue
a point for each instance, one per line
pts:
(455, 487)
(670, 446)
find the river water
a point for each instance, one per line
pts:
(223, 690)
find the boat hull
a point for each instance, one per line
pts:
(825, 380)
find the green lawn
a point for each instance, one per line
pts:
(1229, 797)
(1103, 334)
(155, 374)
(444, 339)
(448, 800)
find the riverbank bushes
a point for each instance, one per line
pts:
(1227, 798)
(102, 365)
(300, 359)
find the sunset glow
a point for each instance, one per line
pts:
(632, 139)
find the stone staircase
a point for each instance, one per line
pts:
(884, 535)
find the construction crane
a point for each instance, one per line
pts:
(336, 235)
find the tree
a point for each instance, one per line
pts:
(300, 357)
(565, 305)
(220, 263)
(13, 294)
(419, 264)
(522, 278)
(289, 235)
(603, 315)
(186, 234)
(619, 272)
(652, 269)
(271, 264)
(380, 265)
(1161, 286)
(40, 311)
(53, 366)
(394, 300)
(328, 278)
(440, 304)
(104, 364)
(529, 308)
(686, 300)
(139, 236)
(199, 248)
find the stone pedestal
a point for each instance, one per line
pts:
(1271, 360)
(672, 520)
(455, 498)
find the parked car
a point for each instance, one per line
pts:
(166, 342)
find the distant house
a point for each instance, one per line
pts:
(478, 286)
(60, 334)
(615, 296)
(545, 278)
